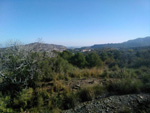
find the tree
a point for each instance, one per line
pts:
(103, 56)
(93, 60)
(66, 55)
(78, 60)
(18, 68)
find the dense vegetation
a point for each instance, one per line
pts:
(38, 82)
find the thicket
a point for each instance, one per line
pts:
(31, 81)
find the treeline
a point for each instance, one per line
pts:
(82, 61)
(34, 81)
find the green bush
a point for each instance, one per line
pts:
(78, 60)
(86, 94)
(40, 101)
(23, 99)
(98, 90)
(45, 95)
(5, 104)
(56, 101)
(146, 82)
(89, 93)
(69, 101)
(105, 74)
(93, 60)
(125, 86)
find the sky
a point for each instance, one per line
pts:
(74, 22)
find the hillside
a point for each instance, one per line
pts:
(139, 42)
(40, 47)
(45, 47)
(106, 80)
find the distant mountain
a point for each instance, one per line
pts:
(139, 42)
(38, 47)
(45, 47)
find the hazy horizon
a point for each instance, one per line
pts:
(74, 23)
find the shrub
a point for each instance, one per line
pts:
(4, 102)
(69, 101)
(125, 86)
(86, 94)
(146, 82)
(45, 95)
(57, 86)
(55, 110)
(78, 60)
(56, 101)
(40, 101)
(98, 90)
(93, 60)
(105, 74)
(24, 98)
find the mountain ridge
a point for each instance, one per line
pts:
(138, 42)
(38, 47)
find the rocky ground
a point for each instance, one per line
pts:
(132, 103)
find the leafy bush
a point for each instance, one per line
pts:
(69, 101)
(86, 94)
(93, 60)
(40, 101)
(56, 101)
(5, 104)
(146, 82)
(23, 99)
(79, 60)
(66, 55)
(99, 89)
(125, 86)
(57, 86)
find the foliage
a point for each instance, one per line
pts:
(67, 55)
(93, 60)
(126, 86)
(86, 94)
(23, 99)
(69, 101)
(38, 82)
(5, 104)
(78, 60)
(19, 71)
(146, 82)
(99, 89)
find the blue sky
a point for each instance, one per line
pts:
(74, 22)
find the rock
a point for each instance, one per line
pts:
(112, 104)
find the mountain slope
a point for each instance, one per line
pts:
(45, 47)
(139, 42)
(36, 47)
